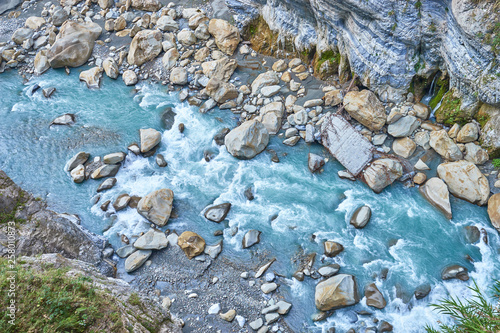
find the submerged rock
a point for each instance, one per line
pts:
(455, 272)
(107, 170)
(247, 140)
(217, 213)
(361, 217)
(157, 206)
(332, 248)
(191, 243)
(121, 202)
(336, 292)
(107, 184)
(251, 238)
(92, 77)
(422, 291)
(65, 119)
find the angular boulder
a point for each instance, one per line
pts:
(149, 139)
(145, 46)
(217, 213)
(382, 173)
(152, 240)
(247, 140)
(366, 108)
(92, 77)
(436, 192)
(227, 36)
(136, 260)
(374, 297)
(74, 44)
(445, 146)
(465, 181)
(271, 116)
(494, 210)
(191, 243)
(157, 206)
(337, 292)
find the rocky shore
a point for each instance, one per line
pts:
(207, 60)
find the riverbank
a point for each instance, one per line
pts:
(254, 89)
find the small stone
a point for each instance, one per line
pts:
(272, 318)
(160, 161)
(361, 217)
(228, 316)
(107, 184)
(268, 287)
(251, 238)
(214, 309)
(256, 324)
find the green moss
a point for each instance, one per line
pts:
(496, 163)
(11, 216)
(482, 119)
(332, 58)
(442, 86)
(450, 111)
(134, 299)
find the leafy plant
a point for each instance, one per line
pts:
(474, 315)
(496, 163)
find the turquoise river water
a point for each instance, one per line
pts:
(406, 234)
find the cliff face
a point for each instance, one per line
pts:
(388, 42)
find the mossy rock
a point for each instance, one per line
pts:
(326, 64)
(451, 111)
(442, 87)
(266, 41)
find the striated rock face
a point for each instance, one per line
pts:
(387, 42)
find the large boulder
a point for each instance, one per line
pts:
(468, 133)
(494, 210)
(436, 192)
(445, 146)
(404, 126)
(217, 213)
(145, 46)
(247, 140)
(475, 154)
(374, 297)
(111, 68)
(170, 58)
(74, 44)
(366, 108)
(465, 181)
(92, 77)
(157, 206)
(22, 34)
(271, 116)
(221, 91)
(227, 36)
(136, 260)
(149, 139)
(41, 62)
(404, 147)
(179, 75)
(152, 240)
(339, 291)
(191, 243)
(382, 173)
(146, 5)
(220, 69)
(264, 79)
(361, 217)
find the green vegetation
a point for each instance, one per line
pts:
(475, 315)
(496, 163)
(48, 300)
(450, 111)
(333, 59)
(443, 84)
(11, 216)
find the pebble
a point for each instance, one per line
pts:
(193, 295)
(214, 309)
(241, 320)
(268, 287)
(270, 277)
(256, 324)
